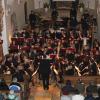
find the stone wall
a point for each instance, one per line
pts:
(1, 15)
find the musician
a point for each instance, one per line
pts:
(44, 70)
(58, 34)
(70, 69)
(70, 55)
(54, 14)
(97, 56)
(49, 51)
(32, 19)
(93, 67)
(85, 69)
(59, 67)
(73, 22)
(85, 25)
(16, 33)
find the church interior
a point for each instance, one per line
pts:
(49, 49)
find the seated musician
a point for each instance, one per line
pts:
(93, 67)
(58, 34)
(85, 70)
(52, 33)
(49, 51)
(69, 69)
(70, 55)
(16, 33)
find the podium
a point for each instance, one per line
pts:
(1, 50)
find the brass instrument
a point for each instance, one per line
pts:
(78, 71)
(98, 67)
(58, 49)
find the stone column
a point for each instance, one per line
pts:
(98, 18)
(4, 30)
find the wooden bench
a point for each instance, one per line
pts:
(85, 79)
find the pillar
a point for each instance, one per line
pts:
(4, 31)
(98, 18)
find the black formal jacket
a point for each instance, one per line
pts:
(44, 67)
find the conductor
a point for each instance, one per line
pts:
(44, 70)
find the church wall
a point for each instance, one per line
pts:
(13, 18)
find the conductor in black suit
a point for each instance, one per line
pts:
(44, 70)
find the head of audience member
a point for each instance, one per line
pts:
(89, 94)
(80, 86)
(88, 91)
(68, 89)
(12, 96)
(68, 82)
(15, 86)
(77, 95)
(3, 85)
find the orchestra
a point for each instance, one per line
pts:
(72, 51)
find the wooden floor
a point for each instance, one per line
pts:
(38, 93)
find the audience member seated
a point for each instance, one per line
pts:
(80, 86)
(89, 94)
(20, 74)
(92, 86)
(68, 88)
(12, 96)
(3, 85)
(98, 98)
(1, 96)
(15, 85)
(77, 95)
